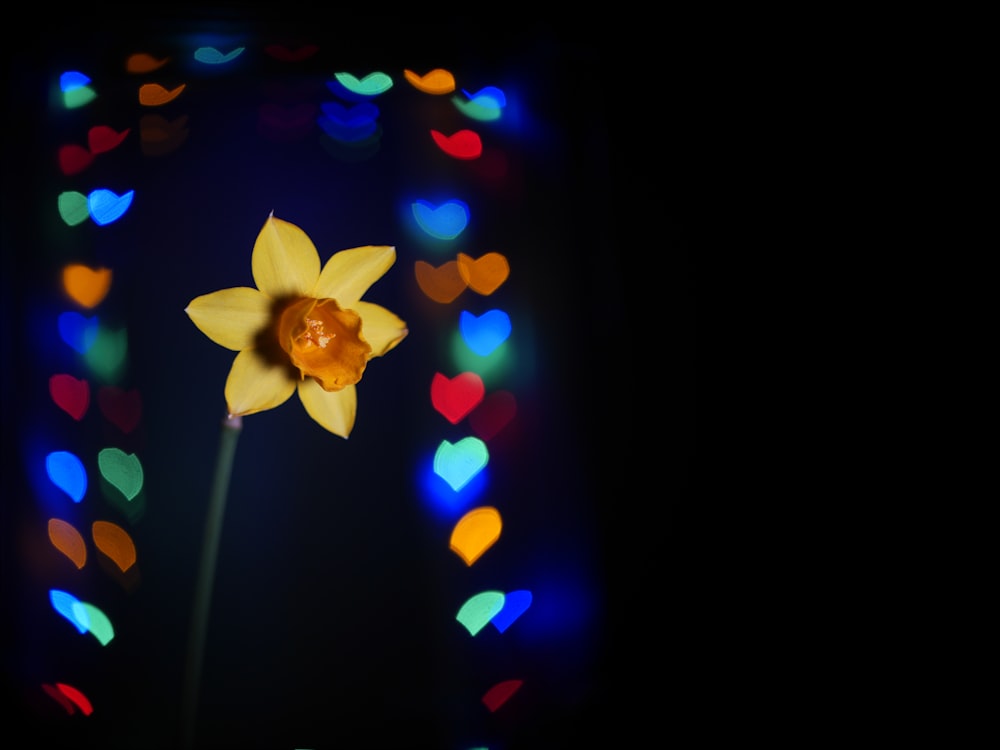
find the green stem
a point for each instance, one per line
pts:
(231, 428)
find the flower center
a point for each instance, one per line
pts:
(324, 342)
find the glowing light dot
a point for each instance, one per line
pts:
(455, 397)
(212, 56)
(73, 207)
(77, 697)
(85, 285)
(457, 463)
(114, 541)
(70, 394)
(122, 470)
(155, 95)
(68, 540)
(484, 333)
(475, 532)
(105, 206)
(73, 79)
(484, 274)
(479, 610)
(438, 81)
(371, 85)
(514, 605)
(441, 284)
(67, 473)
(445, 222)
(500, 693)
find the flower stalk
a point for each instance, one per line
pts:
(232, 426)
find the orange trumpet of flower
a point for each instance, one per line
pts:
(304, 328)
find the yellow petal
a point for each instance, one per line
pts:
(284, 261)
(349, 273)
(381, 328)
(231, 317)
(255, 384)
(333, 410)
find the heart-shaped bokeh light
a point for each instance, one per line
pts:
(66, 471)
(479, 609)
(70, 394)
(484, 333)
(457, 463)
(85, 285)
(475, 532)
(484, 274)
(122, 470)
(455, 397)
(442, 284)
(68, 540)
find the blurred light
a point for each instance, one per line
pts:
(445, 221)
(72, 79)
(97, 622)
(68, 540)
(67, 605)
(158, 137)
(478, 610)
(122, 470)
(114, 541)
(363, 113)
(454, 398)
(443, 501)
(475, 532)
(484, 274)
(493, 414)
(77, 697)
(372, 84)
(66, 472)
(55, 694)
(483, 111)
(82, 615)
(464, 144)
(280, 52)
(84, 285)
(457, 463)
(490, 96)
(437, 81)
(78, 331)
(74, 159)
(497, 695)
(155, 95)
(140, 62)
(442, 284)
(75, 88)
(212, 56)
(484, 333)
(349, 133)
(103, 138)
(78, 97)
(514, 605)
(107, 357)
(70, 394)
(106, 206)
(73, 207)
(120, 407)
(490, 367)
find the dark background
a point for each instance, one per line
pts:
(332, 622)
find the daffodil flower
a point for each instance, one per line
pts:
(303, 328)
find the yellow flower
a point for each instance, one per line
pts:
(303, 328)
